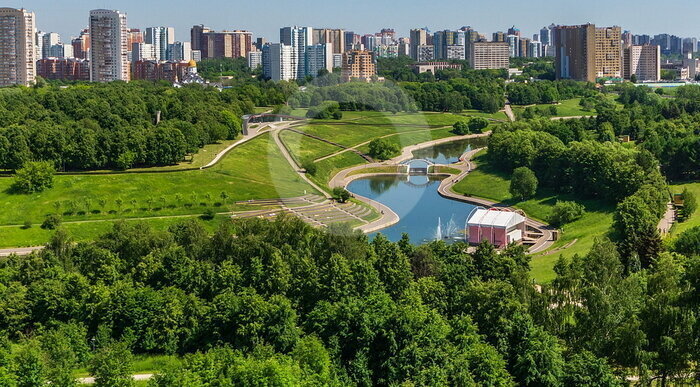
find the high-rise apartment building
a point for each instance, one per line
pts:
(109, 59)
(17, 47)
(489, 55)
(277, 62)
(160, 38)
(358, 65)
(196, 35)
(319, 57)
(143, 51)
(81, 45)
(255, 59)
(333, 37)
(298, 38)
(226, 44)
(418, 37)
(498, 37)
(575, 52)
(513, 45)
(49, 41)
(179, 51)
(425, 52)
(608, 52)
(644, 62)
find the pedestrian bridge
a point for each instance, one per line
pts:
(418, 166)
(266, 117)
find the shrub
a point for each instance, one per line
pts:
(34, 176)
(27, 224)
(341, 194)
(325, 111)
(461, 128)
(382, 149)
(565, 212)
(310, 167)
(51, 222)
(208, 214)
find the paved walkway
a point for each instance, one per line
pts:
(137, 377)
(509, 112)
(667, 221)
(571, 117)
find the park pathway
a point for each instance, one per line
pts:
(667, 221)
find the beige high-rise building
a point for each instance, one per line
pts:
(109, 37)
(17, 47)
(358, 65)
(644, 62)
(608, 52)
(333, 37)
(419, 37)
(489, 55)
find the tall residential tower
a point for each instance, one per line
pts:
(109, 59)
(17, 50)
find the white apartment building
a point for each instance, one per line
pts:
(642, 61)
(254, 59)
(298, 38)
(161, 38)
(279, 62)
(109, 60)
(17, 48)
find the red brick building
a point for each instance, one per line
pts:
(154, 70)
(67, 69)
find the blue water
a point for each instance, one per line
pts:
(449, 153)
(416, 200)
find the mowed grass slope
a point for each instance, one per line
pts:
(255, 170)
(576, 238)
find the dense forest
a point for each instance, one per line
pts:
(281, 303)
(97, 126)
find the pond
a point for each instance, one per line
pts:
(425, 215)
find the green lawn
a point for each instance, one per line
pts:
(329, 167)
(566, 108)
(487, 183)
(304, 148)
(255, 170)
(694, 220)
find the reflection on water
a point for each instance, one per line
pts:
(425, 215)
(449, 153)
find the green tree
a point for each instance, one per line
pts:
(224, 196)
(478, 124)
(383, 149)
(523, 183)
(538, 359)
(310, 167)
(111, 365)
(585, 369)
(461, 128)
(51, 222)
(34, 176)
(689, 204)
(28, 365)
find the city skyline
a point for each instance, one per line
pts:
(69, 19)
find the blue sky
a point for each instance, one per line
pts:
(265, 17)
